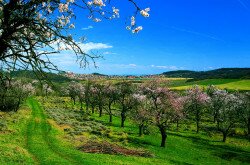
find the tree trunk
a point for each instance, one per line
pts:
(197, 116)
(100, 111)
(224, 136)
(110, 118)
(177, 125)
(140, 129)
(123, 118)
(197, 126)
(248, 127)
(110, 113)
(215, 118)
(87, 107)
(163, 136)
(93, 109)
(81, 109)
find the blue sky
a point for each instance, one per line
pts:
(179, 34)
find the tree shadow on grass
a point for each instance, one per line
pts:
(223, 151)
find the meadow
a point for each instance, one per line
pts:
(52, 130)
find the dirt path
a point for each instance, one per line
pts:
(40, 140)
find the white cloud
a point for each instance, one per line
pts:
(120, 66)
(67, 58)
(166, 67)
(132, 65)
(108, 53)
(87, 47)
(87, 28)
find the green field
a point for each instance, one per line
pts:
(32, 137)
(230, 84)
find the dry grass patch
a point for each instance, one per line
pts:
(112, 149)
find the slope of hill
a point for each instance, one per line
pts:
(223, 73)
(31, 75)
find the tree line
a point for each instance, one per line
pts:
(151, 104)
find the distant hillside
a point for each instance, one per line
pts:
(99, 74)
(225, 73)
(30, 74)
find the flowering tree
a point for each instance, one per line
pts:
(100, 96)
(216, 100)
(228, 114)
(111, 95)
(244, 112)
(87, 87)
(178, 104)
(196, 102)
(125, 99)
(30, 30)
(80, 94)
(14, 95)
(93, 98)
(162, 106)
(142, 112)
(46, 89)
(72, 91)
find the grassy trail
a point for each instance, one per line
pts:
(40, 143)
(46, 146)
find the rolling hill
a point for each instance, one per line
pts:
(223, 73)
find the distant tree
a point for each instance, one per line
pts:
(215, 100)
(141, 114)
(80, 94)
(111, 95)
(46, 89)
(100, 96)
(196, 102)
(87, 87)
(72, 91)
(178, 104)
(125, 100)
(92, 99)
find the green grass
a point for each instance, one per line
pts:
(31, 139)
(231, 84)
(186, 147)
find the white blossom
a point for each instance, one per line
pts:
(43, 4)
(72, 26)
(63, 7)
(144, 12)
(128, 28)
(97, 20)
(89, 3)
(132, 21)
(136, 30)
(98, 3)
(70, 1)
